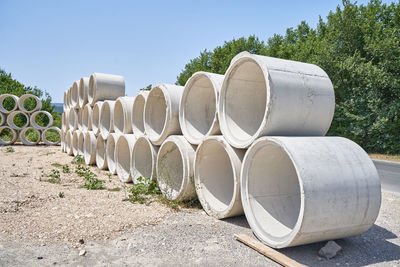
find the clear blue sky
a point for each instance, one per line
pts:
(49, 44)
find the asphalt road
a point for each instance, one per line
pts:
(389, 173)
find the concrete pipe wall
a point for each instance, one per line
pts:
(2, 98)
(23, 137)
(300, 190)
(90, 148)
(175, 168)
(22, 100)
(270, 96)
(10, 120)
(123, 156)
(69, 98)
(87, 118)
(110, 151)
(217, 177)
(96, 117)
(68, 142)
(75, 143)
(64, 120)
(37, 126)
(80, 118)
(62, 135)
(106, 124)
(123, 115)
(161, 112)
(13, 139)
(101, 155)
(65, 100)
(2, 119)
(83, 91)
(51, 143)
(105, 87)
(73, 119)
(198, 107)
(81, 143)
(144, 158)
(138, 113)
(75, 94)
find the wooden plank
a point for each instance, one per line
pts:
(268, 251)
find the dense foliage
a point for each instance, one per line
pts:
(359, 48)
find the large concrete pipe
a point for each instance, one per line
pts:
(144, 158)
(75, 143)
(75, 95)
(53, 129)
(110, 151)
(198, 107)
(26, 139)
(138, 112)
(101, 155)
(81, 143)
(90, 148)
(123, 156)
(87, 118)
(65, 101)
(105, 87)
(22, 117)
(175, 168)
(300, 190)
(83, 91)
(80, 119)
(73, 119)
(62, 135)
(217, 177)
(23, 98)
(96, 117)
(106, 124)
(8, 141)
(161, 112)
(64, 120)
(123, 115)
(41, 127)
(270, 96)
(13, 98)
(2, 119)
(69, 98)
(68, 142)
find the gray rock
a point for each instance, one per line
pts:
(82, 252)
(330, 250)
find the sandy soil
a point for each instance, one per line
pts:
(385, 157)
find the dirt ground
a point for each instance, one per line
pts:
(44, 224)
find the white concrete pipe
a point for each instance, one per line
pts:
(65, 100)
(83, 91)
(69, 98)
(11, 117)
(105, 87)
(36, 125)
(64, 120)
(270, 96)
(161, 112)
(2, 119)
(138, 113)
(106, 124)
(96, 118)
(62, 136)
(144, 158)
(123, 156)
(217, 177)
(73, 119)
(24, 139)
(87, 118)
(123, 115)
(81, 143)
(300, 190)
(12, 140)
(75, 143)
(90, 148)
(198, 107)
(110, 151)
(175, 168)
(75, 95)
(23, 98)
(101, 155)
(68, 142)
(80, 118)
(2, 98)
(51, 143)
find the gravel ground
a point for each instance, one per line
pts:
(38, 228)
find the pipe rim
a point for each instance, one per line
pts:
(75, 94)
(10, 120)
(37, 126)
(110, 152)
(124, 170)
(138, 121)
(92, 89)
(72, 119)
(12, 141)
(50, 143)
(89, 145)
(25, 141)
(2, 118)
(101, 155)
(96, 117)
(75, 143)
(22, 100)
(3, 97)
(135, 173)
(83, 88)
(68, 142)
(87, 118)
(106, 122)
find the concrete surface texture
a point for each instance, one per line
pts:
(90, 148)
(106, 122)
(123, 156)
(101, 155)
(96, 117)
(68, 142)
(73, 119)
(75, 95)
(389, 172)
(105, 87)
(75, 143)
(144, 157)
(123, 115)
(83, 91)
(87, 118)
(81, 143)
(110, 151)
(138, 113)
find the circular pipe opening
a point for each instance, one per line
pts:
(69, 143)
(87, 118)
(155, 112)
(89, 148)
(101, 156)
(96, 117)
(7, 135)
(106, 124)
(41, 119)
(123, 159)
(18, 120)
(83, 91)
(110, 151)
(72, 119)
(75, 95)
(29, 103)
(119, 117)
(92, 84)
(8, 103)
(143, 159)
(75, 143)
(137, 114)
(52, 136)
(30, 136)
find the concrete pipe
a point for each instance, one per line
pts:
(69, 98)
(23, 98)
(23, 135)
(105, 87)
(123, 156)
(101, 155)
(7, 141)
(144, 158)
(80, 116)
(96, 117)
(83, 91)
(81, 143)
(45, 138)
(62, 135)
(90, 148)
(198, 107)
(270, 96)
(217, 177)
(87, 118)
(161, 112)
(65, 101)
(123, 115)
(75, 95)
(175, 168)
(110, 152)
(106, 124)
(4, 97)
(300, 190)
(23, 118)
(64, 120)
(73, 119)
(68, 142)
(36, 125)
(2, 119)
(138, 112)
(75, 143)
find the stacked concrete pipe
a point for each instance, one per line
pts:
(96, 117)
(105, 87)
(138, 113)
(144, 158)
(75, 143)
(87, 118)
(23, 136)
(75, 95)
(106, 121)
(110, 152)
(83, 91)
(2, 98)
(123, 156)
(123, 115)
(90, 148)
(101, 154)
